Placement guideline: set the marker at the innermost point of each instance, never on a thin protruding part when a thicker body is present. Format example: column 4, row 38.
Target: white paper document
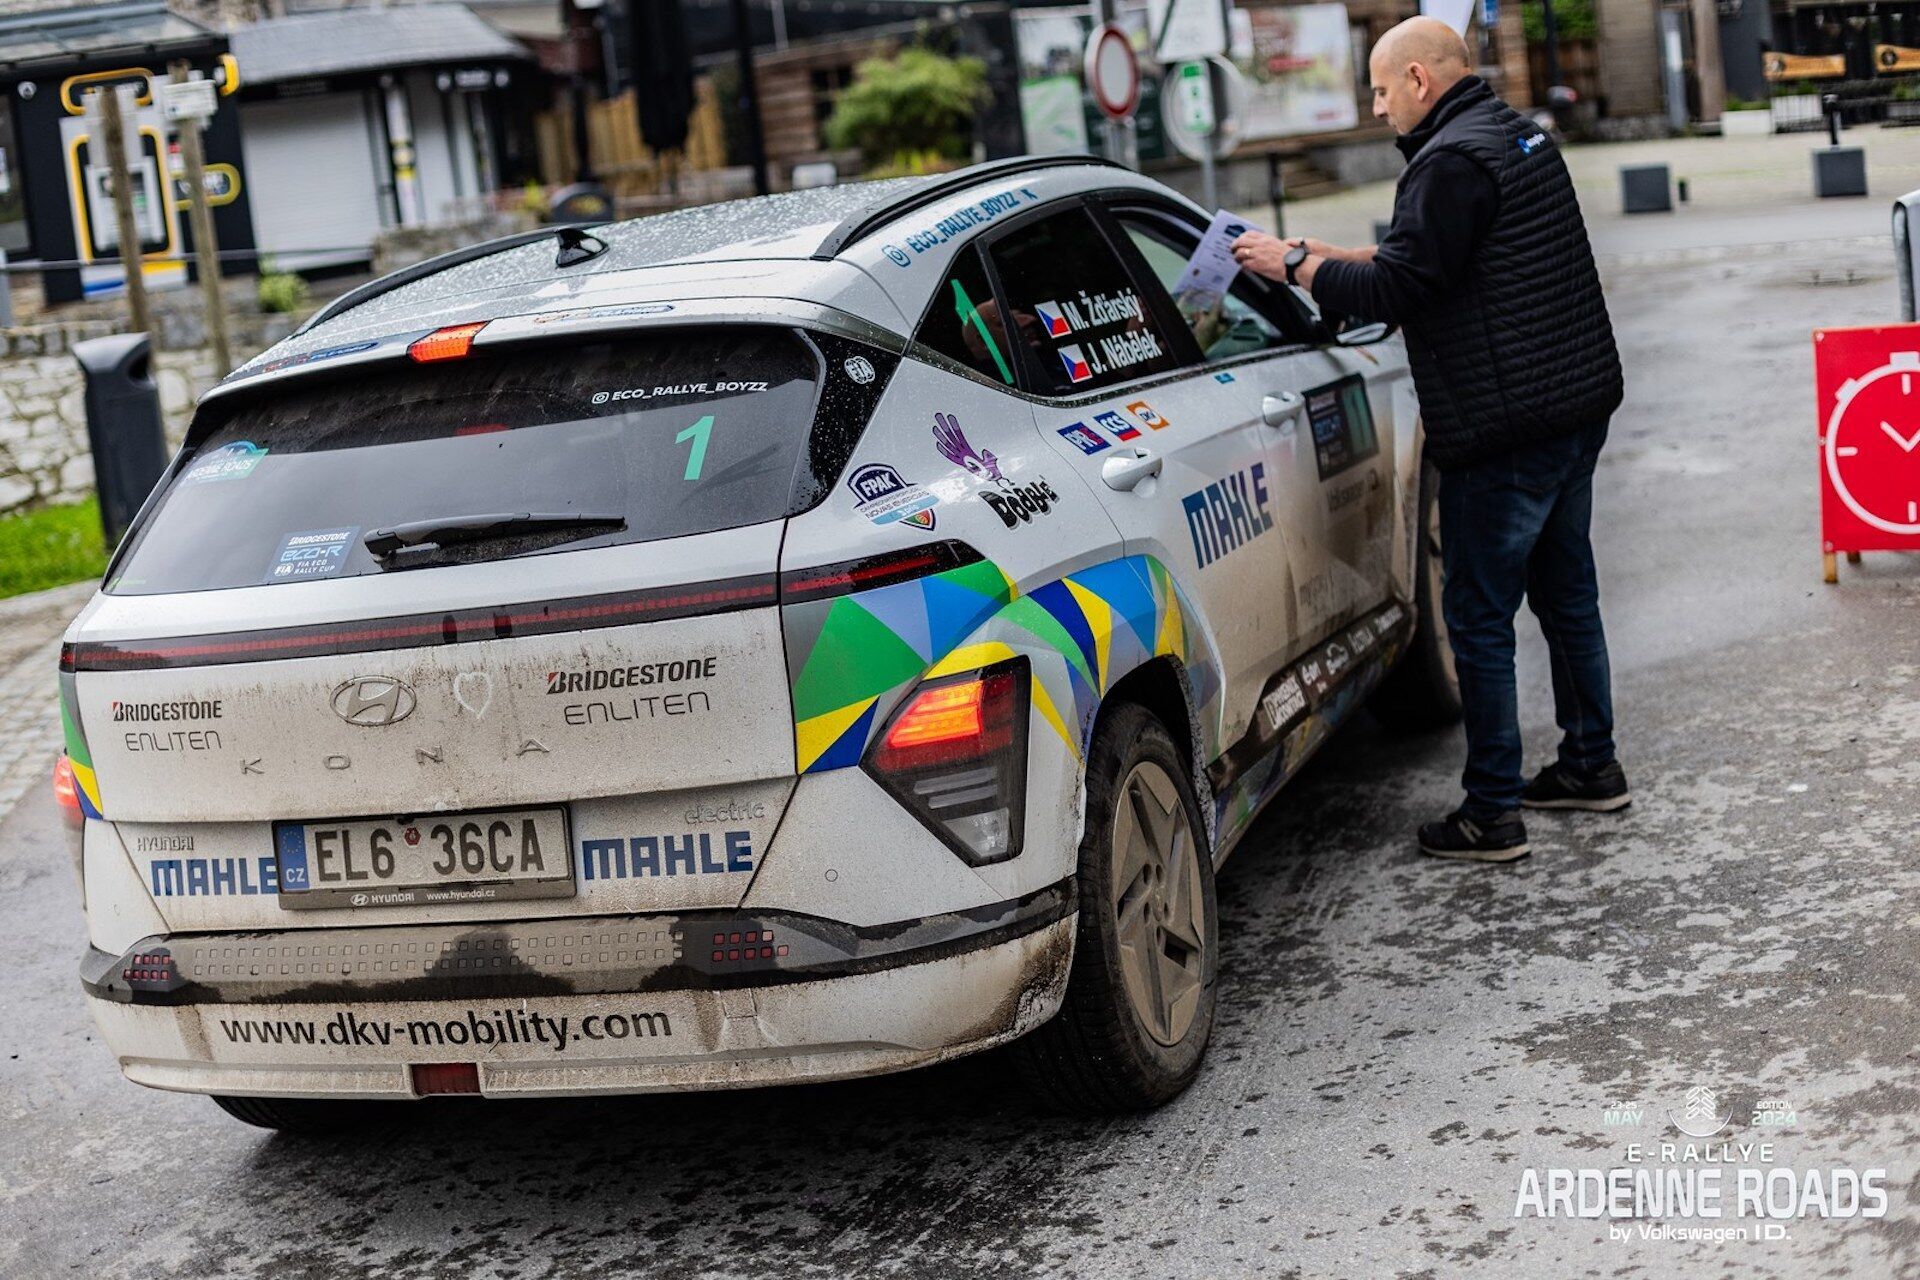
column 1210, row 271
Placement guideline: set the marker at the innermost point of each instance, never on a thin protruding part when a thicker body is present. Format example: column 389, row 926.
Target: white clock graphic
column 1874, row 436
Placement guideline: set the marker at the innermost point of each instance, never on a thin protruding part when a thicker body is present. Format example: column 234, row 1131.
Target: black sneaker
column 1558, row 787
column 1458, row 836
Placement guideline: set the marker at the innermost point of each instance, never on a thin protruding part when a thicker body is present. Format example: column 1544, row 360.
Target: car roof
column 838, row 247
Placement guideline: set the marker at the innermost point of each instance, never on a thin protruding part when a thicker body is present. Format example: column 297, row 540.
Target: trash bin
column 124, row 428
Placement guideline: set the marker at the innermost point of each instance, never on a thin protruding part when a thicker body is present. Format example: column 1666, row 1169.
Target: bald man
column 1487, row 269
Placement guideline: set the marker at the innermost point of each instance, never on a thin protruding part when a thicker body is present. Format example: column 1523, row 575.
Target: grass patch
column 51, row 547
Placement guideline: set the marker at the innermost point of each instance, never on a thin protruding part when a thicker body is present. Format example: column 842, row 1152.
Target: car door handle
column 1124, row 471
column 1281, row 410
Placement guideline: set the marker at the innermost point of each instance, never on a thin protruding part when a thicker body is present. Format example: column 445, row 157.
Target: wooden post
column 206, row 247
column 113, row 125
column 1829, row 567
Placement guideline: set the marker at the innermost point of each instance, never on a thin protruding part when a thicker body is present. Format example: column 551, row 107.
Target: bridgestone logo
column 649, row 673
column 205, row 709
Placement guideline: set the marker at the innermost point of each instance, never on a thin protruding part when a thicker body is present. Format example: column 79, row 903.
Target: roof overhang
column 45, row 42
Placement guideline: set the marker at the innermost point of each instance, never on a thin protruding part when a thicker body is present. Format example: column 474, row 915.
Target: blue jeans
column 1512, row 525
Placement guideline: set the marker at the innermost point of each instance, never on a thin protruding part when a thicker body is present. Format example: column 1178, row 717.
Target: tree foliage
column 1572, row 20
column 913, row 103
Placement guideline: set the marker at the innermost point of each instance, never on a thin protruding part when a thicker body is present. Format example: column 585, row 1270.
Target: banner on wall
column 1300, row 72
column 1056, row 108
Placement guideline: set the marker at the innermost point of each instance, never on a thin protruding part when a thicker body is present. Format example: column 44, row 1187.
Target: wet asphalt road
column 1399, row 1040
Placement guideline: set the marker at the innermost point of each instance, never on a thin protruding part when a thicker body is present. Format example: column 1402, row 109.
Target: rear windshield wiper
column 479, row 528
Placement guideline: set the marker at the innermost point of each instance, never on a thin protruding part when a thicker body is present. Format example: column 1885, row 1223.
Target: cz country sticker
column 883, row 498
column 1075, row 362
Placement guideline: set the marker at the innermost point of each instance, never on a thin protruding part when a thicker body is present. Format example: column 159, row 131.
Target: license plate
column 458, row 857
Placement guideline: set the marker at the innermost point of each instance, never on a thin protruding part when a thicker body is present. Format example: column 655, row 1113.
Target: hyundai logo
column 373, row 701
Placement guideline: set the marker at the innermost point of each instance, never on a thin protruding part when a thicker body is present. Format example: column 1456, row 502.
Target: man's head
column 1412, row 65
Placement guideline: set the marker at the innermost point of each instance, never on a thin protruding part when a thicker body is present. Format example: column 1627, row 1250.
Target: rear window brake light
column 450, row 343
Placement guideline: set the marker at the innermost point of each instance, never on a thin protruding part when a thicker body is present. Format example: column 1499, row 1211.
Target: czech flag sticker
column 1076, row 364
column 1052, row 317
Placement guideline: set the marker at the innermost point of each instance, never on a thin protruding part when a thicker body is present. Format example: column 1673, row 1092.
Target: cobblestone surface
column 30, row 628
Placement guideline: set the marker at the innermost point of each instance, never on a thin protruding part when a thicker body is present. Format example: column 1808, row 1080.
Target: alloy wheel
column 1157, row 903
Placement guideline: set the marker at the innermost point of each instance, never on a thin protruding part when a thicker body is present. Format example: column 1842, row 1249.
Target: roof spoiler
column 577, row 244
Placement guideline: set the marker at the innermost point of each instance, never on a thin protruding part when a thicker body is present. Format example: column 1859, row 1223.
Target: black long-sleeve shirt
column 1439, row 217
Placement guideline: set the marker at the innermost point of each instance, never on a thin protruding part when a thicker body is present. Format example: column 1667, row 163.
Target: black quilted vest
column 1523, row 351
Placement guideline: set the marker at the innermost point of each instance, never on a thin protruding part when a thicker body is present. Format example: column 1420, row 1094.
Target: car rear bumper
column 579, row 1006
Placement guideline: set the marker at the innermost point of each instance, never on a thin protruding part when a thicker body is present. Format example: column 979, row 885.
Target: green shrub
column 282, row 291
column 915, row 104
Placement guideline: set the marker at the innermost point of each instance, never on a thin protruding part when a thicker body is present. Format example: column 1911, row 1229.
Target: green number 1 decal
column 697, row 433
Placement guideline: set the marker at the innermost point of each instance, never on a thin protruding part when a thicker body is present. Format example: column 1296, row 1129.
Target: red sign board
column 1113, row 72
column 1868, row 384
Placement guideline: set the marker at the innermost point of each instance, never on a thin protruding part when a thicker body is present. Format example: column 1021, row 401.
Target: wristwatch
column 1295, row 256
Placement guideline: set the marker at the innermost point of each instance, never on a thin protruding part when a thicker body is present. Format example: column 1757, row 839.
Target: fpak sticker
column 234, row 461
column 884, row 498
column 316, row 553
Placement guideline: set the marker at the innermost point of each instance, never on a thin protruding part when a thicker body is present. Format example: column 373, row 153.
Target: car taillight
column 66, row 793
column 955, row 755
column 450, row 343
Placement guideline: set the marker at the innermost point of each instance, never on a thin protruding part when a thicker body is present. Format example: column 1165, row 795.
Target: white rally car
column 800, row 638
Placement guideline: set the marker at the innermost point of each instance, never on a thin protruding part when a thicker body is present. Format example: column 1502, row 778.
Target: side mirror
column 1367, row 334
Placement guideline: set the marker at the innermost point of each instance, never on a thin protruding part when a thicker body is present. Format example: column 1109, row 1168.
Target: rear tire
column 1423, row 689
column 311, row 1117
column 1140, row 999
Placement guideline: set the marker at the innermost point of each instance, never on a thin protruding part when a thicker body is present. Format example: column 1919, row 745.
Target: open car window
column 1252, row 317
column 1074, row 308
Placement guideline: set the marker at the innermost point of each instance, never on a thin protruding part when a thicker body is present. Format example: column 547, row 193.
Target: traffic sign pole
column 206, row 249
column 1193, row 83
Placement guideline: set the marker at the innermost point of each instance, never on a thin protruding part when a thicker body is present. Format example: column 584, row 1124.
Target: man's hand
column 1262, row 254
column 1266, row 255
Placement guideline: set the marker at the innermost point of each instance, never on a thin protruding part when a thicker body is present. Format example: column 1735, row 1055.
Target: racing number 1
column 697, row 457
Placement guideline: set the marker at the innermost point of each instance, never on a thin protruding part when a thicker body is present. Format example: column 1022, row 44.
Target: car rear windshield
column 645, row 437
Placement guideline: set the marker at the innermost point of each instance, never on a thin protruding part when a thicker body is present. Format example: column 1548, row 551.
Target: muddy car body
column 720, row 649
